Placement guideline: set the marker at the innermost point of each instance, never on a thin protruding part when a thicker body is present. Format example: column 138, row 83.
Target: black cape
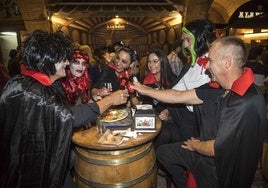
column 237, row 122
column 34, row 151
column 239, row 139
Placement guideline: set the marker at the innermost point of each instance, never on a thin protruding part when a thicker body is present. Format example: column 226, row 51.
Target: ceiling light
column 8, row 33
column 254, row 35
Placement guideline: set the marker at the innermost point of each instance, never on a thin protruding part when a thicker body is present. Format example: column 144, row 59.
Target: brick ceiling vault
column 142, row 16
column 221, row 10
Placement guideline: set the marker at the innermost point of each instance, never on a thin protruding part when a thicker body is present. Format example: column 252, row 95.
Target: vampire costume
column 235, row 119
column 34, row 151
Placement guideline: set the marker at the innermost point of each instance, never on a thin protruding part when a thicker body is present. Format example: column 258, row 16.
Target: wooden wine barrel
column 162, row 37
column 133, row 167
column 171, row 36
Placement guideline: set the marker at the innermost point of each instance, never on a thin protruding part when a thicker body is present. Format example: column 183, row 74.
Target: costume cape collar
column 40, row 77
column 149, row 79
column 112, row 66
column 240, row 85
column 124, row 74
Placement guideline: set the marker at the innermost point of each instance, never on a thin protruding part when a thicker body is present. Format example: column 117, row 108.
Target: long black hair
column 166, row 74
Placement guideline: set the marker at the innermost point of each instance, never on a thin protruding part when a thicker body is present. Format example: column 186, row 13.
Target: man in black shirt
column 232, row 122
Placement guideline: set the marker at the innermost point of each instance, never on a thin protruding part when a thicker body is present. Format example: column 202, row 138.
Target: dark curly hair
column 42, row 50
column 132, row 53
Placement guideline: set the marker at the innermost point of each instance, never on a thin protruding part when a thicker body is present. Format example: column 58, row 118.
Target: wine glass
column 158, row 86
column 108, row 85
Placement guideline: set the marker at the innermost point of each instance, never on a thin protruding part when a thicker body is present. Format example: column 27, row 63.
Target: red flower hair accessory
column 79, row 55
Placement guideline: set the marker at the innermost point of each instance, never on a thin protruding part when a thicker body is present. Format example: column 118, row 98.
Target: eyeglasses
column 154, row 61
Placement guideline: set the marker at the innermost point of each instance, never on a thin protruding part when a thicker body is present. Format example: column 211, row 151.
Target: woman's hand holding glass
column 109, row 86
column 104, row 91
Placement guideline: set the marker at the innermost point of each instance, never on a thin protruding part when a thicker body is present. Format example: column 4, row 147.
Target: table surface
column 89, row 139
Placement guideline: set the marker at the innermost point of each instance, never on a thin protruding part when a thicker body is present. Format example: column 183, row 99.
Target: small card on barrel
column 144, row 120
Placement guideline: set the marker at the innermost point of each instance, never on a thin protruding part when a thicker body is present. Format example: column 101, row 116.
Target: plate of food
column 113, row 115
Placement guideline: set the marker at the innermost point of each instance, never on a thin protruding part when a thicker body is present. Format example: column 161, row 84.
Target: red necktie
column 202, row 61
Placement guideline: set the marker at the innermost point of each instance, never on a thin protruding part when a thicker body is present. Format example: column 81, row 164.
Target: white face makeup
column 60, row 68
column 78, row 67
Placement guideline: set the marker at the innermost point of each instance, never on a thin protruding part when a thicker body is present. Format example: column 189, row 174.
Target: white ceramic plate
column 113, row 115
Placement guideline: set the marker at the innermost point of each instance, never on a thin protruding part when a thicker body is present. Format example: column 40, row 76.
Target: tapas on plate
column 113, row 115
